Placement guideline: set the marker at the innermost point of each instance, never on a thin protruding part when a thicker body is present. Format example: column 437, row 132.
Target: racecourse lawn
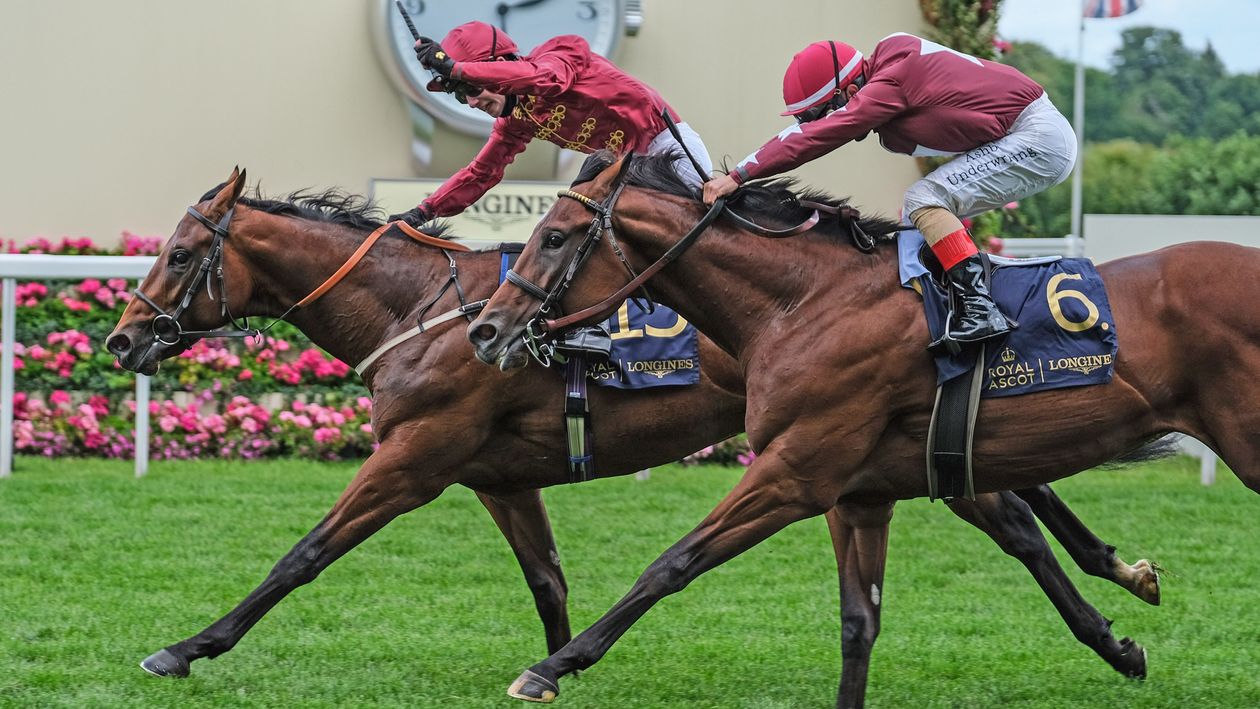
column 98, row 569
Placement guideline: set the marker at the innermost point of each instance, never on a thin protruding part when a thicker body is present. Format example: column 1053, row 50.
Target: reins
column 539, row 329
column 168, row 331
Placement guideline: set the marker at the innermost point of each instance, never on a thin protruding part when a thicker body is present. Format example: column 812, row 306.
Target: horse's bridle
column 168, row 331
column 166, row 327
column 539, row 328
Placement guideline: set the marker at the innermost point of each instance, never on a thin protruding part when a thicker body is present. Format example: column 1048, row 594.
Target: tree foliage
column 1168, row 131
column 966, row 25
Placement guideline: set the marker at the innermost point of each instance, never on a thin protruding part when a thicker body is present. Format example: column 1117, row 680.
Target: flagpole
column 1078, row 124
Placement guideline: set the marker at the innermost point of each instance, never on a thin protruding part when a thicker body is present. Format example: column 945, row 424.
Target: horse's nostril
column 118, row 344
column 485, row 333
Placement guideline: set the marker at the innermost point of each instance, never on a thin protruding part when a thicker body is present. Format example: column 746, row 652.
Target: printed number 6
column 1054, row 295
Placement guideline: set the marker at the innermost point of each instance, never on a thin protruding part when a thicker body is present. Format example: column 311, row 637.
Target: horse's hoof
column 1147, row 585
column 533, row 687
column 1132, row 661
column 165, row 663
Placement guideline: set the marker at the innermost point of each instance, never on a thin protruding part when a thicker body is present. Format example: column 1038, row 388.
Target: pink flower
column 302, row 421
column 245, row 375
column 89, row 286
column 365, row 427
column 324, row 435
column 168, row 423
column 59, row 397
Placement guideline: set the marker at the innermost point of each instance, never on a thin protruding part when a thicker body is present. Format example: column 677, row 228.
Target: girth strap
column 577, row 421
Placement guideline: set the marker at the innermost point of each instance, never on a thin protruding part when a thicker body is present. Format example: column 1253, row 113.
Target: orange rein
column 358, row 254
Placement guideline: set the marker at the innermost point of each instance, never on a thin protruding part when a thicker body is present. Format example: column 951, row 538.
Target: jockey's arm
column 876, row 104
column 485, row 171
column 550, row 72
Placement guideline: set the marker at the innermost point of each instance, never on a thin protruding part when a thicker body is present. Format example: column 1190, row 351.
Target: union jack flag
column 1110, row 8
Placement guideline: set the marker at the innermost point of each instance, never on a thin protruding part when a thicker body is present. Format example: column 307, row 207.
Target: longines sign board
column 508, row 212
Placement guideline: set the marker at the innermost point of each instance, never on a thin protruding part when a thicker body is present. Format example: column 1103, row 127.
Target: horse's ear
column 229, row 193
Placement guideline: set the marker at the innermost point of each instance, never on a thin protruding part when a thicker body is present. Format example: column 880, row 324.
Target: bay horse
column 441, row 420
column 839, row 385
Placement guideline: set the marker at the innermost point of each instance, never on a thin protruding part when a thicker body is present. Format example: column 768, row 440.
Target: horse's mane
column 331, row 206
column 769, row 202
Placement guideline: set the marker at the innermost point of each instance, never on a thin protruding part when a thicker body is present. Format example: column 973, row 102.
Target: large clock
column 528, row 22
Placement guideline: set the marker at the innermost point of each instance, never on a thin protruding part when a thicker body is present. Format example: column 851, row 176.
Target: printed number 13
column 624, row 330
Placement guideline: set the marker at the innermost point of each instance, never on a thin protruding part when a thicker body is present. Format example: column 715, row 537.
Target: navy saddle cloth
column 1066, row 335
column 649, row 349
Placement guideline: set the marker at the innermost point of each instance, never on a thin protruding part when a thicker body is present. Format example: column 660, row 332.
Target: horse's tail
column 1158, row 449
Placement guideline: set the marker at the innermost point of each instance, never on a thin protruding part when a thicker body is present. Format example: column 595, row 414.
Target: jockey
column 924, row 99
column 561, row 92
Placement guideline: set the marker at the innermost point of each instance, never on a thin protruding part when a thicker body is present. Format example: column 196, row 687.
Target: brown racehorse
column 442, row 421
column 839, row 386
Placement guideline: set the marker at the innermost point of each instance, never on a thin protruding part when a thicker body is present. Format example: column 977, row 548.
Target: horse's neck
column 736, row 287
column 291, row 258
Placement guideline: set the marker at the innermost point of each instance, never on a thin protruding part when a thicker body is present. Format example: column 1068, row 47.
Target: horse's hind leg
column 1093, row 555
column 860, row 536
column 522, row 518
column 1009, row 522
column 386, row 486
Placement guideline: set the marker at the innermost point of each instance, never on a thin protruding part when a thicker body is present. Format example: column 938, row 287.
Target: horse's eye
column 180, row 257
column 554, row 240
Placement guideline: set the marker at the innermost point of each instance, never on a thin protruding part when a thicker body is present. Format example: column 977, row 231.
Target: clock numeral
column 587, row 10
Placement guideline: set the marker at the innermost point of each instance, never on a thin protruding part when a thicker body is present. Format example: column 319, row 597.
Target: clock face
column 528, row 22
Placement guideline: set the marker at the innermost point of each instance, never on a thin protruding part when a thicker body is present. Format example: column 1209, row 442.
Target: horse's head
column 562, row 264
column 183, row 295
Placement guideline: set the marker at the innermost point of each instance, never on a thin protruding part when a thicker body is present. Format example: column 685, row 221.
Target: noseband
column 539, row 330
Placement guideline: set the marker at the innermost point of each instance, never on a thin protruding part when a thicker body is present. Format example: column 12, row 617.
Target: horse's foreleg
column 763, row 502
column 860, row 536
column 1009, row 521
column 386, row 486
column 1093, row 555
column 522, row 518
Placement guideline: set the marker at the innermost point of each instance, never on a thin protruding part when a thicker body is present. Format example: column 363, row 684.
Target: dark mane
column 772, row 202
column 331, row 206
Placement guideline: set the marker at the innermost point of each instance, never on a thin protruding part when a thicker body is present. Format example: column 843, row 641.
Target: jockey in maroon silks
column 561, row 92
column 924, row 99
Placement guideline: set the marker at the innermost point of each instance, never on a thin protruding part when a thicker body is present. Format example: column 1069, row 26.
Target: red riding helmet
column 475, row 42
column 817, row 73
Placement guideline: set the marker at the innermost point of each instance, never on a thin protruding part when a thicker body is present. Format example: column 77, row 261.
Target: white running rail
column 42, row 266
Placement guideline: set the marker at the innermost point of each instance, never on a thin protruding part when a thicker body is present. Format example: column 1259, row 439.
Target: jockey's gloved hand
column 416, row 217
column 432, row 57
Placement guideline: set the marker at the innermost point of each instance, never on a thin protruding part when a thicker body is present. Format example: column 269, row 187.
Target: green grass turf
column 98, row 569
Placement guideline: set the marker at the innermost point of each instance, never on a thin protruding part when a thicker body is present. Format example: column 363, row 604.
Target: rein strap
column 667, row 258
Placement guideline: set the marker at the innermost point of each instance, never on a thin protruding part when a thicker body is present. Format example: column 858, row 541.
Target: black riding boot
column 977, row 317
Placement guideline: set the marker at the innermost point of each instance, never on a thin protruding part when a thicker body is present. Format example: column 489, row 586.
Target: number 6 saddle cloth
column 1066, row 335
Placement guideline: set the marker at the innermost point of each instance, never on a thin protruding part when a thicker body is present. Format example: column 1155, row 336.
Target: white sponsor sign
column 508, row 212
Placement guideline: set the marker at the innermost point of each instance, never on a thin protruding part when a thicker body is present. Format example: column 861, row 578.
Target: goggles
column 461, row 90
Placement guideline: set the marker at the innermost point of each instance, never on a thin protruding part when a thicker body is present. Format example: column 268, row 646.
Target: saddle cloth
column 649, row 349
column 1066, row 335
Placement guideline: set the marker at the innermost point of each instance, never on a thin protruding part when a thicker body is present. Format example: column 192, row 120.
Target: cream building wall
column 116, row 115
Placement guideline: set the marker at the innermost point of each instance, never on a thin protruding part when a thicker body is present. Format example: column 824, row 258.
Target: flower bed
column 73, row 399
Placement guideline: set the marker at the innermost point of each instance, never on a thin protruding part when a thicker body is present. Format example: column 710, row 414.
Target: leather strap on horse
column 367, row 244
column 577, row 421
column 951, row 433
column 667, row 258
